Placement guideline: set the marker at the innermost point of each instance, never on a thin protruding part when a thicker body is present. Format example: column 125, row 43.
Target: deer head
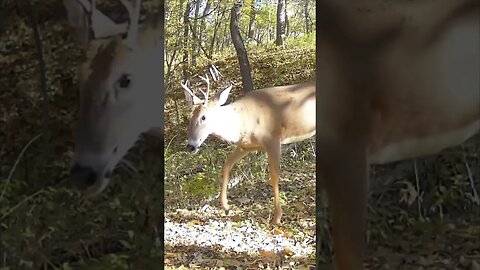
column 121, row 87
column 205, row 113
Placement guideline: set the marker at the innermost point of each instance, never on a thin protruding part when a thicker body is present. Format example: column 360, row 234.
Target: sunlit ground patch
column 230, row 236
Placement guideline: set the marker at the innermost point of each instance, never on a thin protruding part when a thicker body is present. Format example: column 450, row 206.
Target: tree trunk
column 203, row 25
column 307, row 18
column 280, row 23
column 218, row 21
column 251, row 24
column 185, row 39
column 240, row 48
column 224, row 38
column 287, row 22
column 195, row 31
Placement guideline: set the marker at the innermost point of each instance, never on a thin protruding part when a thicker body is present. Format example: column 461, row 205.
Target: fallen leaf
column 277, row 231
column 288, row 252
column 268, row 254
column 193, row 223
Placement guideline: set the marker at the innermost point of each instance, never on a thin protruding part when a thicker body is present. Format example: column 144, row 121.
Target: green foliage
column 207, row 35
column 304, row 41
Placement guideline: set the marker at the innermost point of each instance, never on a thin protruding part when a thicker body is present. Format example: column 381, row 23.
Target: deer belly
column 300, row 122
column 297, row 138
column 413, row 147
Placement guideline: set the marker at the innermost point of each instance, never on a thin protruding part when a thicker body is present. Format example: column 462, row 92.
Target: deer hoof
column 226, row 207
column 277, row 219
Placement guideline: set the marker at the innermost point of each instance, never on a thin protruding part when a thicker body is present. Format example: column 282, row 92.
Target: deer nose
column 83, row 177
column 190, row 148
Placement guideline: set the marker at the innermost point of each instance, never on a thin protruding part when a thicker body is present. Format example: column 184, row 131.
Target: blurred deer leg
column 343, row 169
column 273, row 150
column 233, row 158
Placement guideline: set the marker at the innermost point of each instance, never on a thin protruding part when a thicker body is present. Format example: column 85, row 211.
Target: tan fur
column 260, row 120
column 284, row 112
column 121, row 92
column 397, row 79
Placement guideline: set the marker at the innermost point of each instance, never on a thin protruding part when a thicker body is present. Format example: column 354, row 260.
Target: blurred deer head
column 121, row 87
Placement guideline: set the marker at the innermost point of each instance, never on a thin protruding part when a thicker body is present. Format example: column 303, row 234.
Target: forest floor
column 199, row 233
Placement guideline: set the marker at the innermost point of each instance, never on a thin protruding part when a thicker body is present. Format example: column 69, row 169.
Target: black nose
column 83, row 177
column 190, row 148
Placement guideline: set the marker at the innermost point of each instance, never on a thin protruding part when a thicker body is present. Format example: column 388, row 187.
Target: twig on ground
column 476, row 199
column 22, row 202
column 16, row 163
column 417, row 181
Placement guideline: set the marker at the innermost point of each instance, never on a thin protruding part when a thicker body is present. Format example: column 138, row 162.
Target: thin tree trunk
column 251, row 24
column 287, row 22
column 203, row 24
column 186, row 21
column 240, row 48
column 307, row 18
column 215, row 31
column 280, row 23
column 195, row 32
column 224, row 39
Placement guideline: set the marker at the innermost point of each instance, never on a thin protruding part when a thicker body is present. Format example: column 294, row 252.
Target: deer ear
column 222, row 96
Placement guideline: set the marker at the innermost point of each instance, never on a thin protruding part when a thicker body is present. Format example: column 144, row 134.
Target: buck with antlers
column 396, row 80
column 121, row 86
column 260, row 120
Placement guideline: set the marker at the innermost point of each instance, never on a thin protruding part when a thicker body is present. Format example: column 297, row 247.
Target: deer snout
column 83, row 177
column 190, row 148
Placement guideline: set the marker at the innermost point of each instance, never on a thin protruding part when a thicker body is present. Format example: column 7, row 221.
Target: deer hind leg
column 233, row 158
column 273, row 150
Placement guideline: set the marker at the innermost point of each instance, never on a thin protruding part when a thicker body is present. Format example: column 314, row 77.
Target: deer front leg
column 344, row 171
column 233, row 158
column 273, row 150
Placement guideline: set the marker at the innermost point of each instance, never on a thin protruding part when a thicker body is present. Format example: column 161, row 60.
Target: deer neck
column 227, row 124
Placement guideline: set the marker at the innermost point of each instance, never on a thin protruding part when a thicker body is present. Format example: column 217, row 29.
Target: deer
column 120, row 85
column 396, row 80
column 259, row 120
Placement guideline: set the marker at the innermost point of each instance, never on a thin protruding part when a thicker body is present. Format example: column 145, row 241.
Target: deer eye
column 203, row 118
column 124, row 81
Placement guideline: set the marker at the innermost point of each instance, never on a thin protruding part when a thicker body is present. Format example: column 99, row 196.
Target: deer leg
column 344, row 171
column 273, row 151
column 233, row 158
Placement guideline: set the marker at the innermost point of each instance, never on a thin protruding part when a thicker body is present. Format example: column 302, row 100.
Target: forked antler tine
column 84, row 16
column 208, row 87
column 133, row 7
column 214, row 72
column 196, row 100
column 102, row 25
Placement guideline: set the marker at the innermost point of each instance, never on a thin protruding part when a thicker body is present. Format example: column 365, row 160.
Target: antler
column 88, row 22
column 215, row 75
column 205, row 79
column 214, row 72
column 195, row 99
column 133, row 9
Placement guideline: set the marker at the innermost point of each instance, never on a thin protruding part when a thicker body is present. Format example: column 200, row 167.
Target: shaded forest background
column 423, row 213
